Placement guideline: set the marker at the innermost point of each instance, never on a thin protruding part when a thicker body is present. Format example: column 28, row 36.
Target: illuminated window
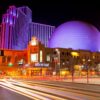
column 7, row 20
column 48, row 57
column 74, row 54
column 34, row 57
column 11, row 22
column 40, row 55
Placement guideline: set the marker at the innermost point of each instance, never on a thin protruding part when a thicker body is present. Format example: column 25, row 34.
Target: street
column 6, row 94
column 47, row 90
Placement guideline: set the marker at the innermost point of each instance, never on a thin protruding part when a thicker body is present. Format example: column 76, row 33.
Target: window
column 8, row 59
column 63, row 60
column 16, row 59
column 1, row 53
column 62, row 53
column 48, row 57
column 55, row 52
column 34, row 57
column 67, row 53
column 3, row 59
column 41, row 55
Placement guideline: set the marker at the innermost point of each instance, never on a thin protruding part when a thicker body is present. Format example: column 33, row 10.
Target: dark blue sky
column 55, row 12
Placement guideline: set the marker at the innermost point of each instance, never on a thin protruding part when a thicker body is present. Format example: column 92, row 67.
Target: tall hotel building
column 41, row 31
column 17, row 29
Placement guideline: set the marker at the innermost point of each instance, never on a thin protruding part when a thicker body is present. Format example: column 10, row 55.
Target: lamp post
column 74, row 54
column 72, row 69
column 87, row 74
column 58, row 61
column 88, row 70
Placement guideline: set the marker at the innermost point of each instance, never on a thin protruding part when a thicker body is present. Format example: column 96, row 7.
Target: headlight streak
column 50, row 91
column 85, row 94
column 25, row 92
column 22, row 91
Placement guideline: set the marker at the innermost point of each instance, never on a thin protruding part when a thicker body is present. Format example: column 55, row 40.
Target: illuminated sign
column 21, row 62
column 10, row 64
column 42, row 64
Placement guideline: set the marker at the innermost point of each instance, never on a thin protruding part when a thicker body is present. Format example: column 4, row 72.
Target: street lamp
column 58, row 60
column 88, row 70
column 74, row 55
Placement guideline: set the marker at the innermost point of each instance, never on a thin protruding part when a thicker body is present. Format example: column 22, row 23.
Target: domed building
column 75, row 35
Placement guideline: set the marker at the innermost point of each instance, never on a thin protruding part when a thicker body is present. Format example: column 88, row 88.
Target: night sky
column 56, row 12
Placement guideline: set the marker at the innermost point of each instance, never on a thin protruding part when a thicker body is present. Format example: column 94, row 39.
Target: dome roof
column 75, row 35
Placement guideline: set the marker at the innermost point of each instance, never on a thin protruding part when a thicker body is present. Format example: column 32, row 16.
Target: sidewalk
column 93, row 80
column 84, row 80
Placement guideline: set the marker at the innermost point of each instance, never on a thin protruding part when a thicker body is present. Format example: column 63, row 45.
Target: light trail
column 16, row 91
column 24, row 91
column 68, row 88
column 76, row 96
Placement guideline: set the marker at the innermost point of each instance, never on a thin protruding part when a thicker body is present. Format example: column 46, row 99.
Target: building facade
column 42, row 32
column 37, row 59
column 17, row 29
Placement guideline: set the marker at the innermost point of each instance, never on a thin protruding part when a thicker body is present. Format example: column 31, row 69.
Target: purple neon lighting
column 7, row 20
column 75, row 35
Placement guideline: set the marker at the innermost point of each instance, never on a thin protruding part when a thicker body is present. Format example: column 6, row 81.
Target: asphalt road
column 6, row 94
column 47, row 90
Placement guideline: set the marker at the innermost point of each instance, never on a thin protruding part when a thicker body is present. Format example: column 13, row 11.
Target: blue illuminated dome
column 75, row 35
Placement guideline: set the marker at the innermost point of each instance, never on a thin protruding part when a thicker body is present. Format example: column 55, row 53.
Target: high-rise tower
column 42, row 31
column 17, row 28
